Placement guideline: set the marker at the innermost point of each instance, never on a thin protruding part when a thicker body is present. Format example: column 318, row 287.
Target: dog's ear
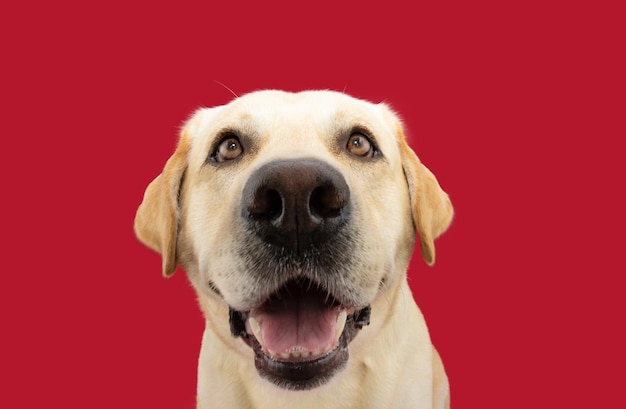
column 430, row 205
column 156, row 221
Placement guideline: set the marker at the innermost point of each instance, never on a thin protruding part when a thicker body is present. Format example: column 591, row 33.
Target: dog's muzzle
column 301, row 331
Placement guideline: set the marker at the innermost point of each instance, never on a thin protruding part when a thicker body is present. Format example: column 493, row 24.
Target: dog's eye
column 360, row 145
column 228, row 149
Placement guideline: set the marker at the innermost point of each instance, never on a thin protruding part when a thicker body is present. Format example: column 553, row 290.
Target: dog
column 294, row 216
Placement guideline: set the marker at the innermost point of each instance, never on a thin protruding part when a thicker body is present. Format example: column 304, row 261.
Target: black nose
column 296, row 203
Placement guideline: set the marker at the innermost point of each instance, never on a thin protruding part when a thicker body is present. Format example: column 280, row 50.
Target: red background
column 517, row 108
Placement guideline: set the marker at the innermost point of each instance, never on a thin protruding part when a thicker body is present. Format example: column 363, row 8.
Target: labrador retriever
column 294, row 216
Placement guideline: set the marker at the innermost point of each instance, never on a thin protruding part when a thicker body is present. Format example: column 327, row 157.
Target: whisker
column 230, row 90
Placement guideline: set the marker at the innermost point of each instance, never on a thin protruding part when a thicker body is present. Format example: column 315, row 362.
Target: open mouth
column 299, row 335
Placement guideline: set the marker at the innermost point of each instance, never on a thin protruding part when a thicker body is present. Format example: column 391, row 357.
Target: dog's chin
column 299, row 335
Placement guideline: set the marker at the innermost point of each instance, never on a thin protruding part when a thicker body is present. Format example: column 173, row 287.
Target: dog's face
column 297, row 211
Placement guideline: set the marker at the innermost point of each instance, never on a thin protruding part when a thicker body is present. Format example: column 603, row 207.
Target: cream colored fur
column 190, row 216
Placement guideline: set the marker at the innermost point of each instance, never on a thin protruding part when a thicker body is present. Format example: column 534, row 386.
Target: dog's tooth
column 285, row 355
column 326, row 350
column 315, row 353
column 341, row 323
column 256, row 329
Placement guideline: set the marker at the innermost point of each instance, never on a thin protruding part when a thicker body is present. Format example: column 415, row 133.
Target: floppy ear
column 431, row 206
column 156, row 221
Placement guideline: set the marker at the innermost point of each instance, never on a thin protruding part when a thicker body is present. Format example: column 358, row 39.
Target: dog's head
column 296, row 211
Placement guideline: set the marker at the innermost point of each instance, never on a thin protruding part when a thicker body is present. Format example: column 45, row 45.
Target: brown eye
column 228, row 149
column 360, row 145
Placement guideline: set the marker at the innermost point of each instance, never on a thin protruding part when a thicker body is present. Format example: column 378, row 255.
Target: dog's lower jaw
column 301, row 374
column 227, row 377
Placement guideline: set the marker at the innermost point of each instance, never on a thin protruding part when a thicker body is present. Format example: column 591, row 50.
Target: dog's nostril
column 326, row 202
column 267, row 204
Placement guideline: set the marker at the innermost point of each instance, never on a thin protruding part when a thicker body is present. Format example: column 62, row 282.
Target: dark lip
column 301, row 375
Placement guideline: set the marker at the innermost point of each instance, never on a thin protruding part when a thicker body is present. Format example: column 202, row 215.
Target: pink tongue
column 300, row 323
